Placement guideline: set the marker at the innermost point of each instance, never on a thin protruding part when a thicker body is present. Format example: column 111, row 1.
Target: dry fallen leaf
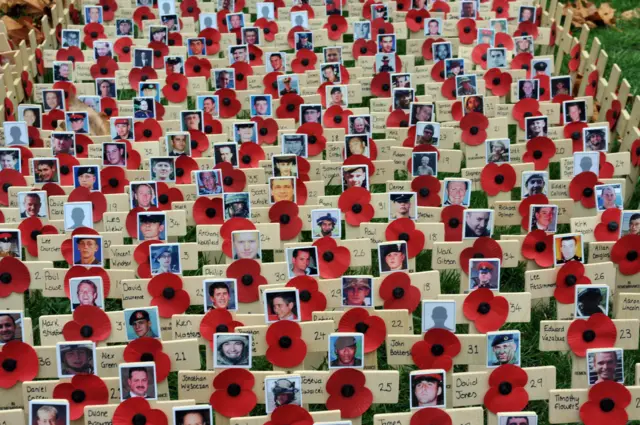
column 586, row 12
column 630, row 14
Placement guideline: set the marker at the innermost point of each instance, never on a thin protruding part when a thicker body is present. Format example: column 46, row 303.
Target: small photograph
column 295, row 144
column 496, row 57
column 428, row 387
column 10, row 159
column 163, row 169
column 232, row 350
column 534, row 183
column 265, row 10
column 171, row 21
column 568, row 247
column 106, row 87
column 477, row 223
column 608, row 196
column 225, row 152
column 238, row 53
column 144, row 107
column 517, row 418
column 385, row 62
column 143, row 194
column 142, row 322
column 208, row 20
column 574, row 111
column 158, row 34
column 302, row 261
column 281, row 304
column 196, row 46
column 523, row 45
column 236, row 205
column 596, row 139
column 473, row 104
column 148, row 3
column 330, row 73
column 337, row 95
column 76, row 358
column 605, row 364
column 209, row 182
column 191, row 120
column 10, row 245
column 466, row 85
column 356, row 145
column 11, row 324
column 62, row 71
column 468, row 9
column 401, row 81
column 93, row 14
column 541, row 67
column 453, row 67
column 300, row 19
column 102, row 49
column 285, row 165
column 142, row 57
column 362, row 29
column 282, row 189
column 630, row 223
column 304, row 40
column 87, row 250
column 193, row 415
column 392, row 257
column 527, row 14
column 220, row 293
column 77, row 122
column 333, row 7
column 151, row 90
column 498, row 151
column 433, row 27
column 55, row 412
column 276, row 62
column 87, row 176
column 281, row 391
column 328, row 223
column 357, row 291
column 503, row 347
column 441, row 51
column 311, row 114
column 420, row 112
column 402, row 205
column 355, row 176
column 225, row 78
column 52, row 99
column 152, row 226
column 438, row 315
column 288, row 84
column 528, row 89
column 178, row 143
column 63, row 142
column 379, row 10
column 346, row 350
column 360, row 124
column 402, row 98
column 209, row 105
column 251, row 36
column 31, row 114
column 484, row 273
column 245, row 244
column 46, row 170
column 15, row 133
column 543, row 217
column 485, row 36
column 586, row 162
column 92, row 102
column 166, row 258
column 536, row 127
column 424, row 163
column 245, row 132
column 332, row 54
column 227, row 5
column 260, row 105
column 561, row 86
column 32, row 203
column 70, row 38
column 387, row 43
column 591, row 299
column 138, row 380
column 457, row 192
column 86, row 291
column 427, row 133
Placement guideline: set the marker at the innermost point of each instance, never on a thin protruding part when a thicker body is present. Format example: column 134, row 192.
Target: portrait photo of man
column 10, row 159
column 75, row 358
column 355, row 176
column 560, row 86
column 87, row 176
column 10, row 244
column 46, row 170
column 427, row 388
column 165, row 258
column 346, row 350
column 591, row 299
column 574, row 111
column 515, row 419
column 360, row 124
column 11, row 326
column 402, row 205
column 441, row 51
column 87, row 250
column 245, row 244
column 528, row 89
column 143, row 194
column 232, row 350
column 496, row 57
column 221, row 293
column 63, row 142
column 245, row 132
column 294, row 144
column 261, row 105
column 534, row 183
column 33, row 204
column 236, row 205
column 605, row 365
column 282, row 189
column 48, row 412
column 427, row 133
column 281, row 304
column 503, row 348
column 178, row 144
column 285, row 165
column 421, row 112
column 224, row 78
column 86, row 291
column 484, row 273
column 163, row 169
column 392, row 257
column 143, row 322
column 152, row 226
column 276, row 62
column 225, row 152
column 281, row 391
column 630, row 224
column 567, row 247
column 543, row 217
column 498, row 151
column 356, row 291
column 438, row 315
column 192, row 415
column 138, row 380
column 238, row 54
column 121, row 129
column 477, row 223
column 332, row 54
column 209, row 182
column 536, row 127
column 327, row 223
column 596, row 139
column 356, row 145
column 209, row 105
column 302, row 261
column 311, row 114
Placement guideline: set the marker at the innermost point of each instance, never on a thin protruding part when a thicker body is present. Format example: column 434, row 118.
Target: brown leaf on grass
column 586, row 12
column 630, row 14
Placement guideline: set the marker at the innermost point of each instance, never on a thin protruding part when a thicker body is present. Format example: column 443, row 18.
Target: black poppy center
column 505, row 388
column 190, row 9
column 540, row 246
column 570, row 280
column 5, row 278
column 525, row 67
column 478, row 255
column 210, row 212
column 197, row 68
column 441, row 74
column 362, row 327
column 233, row 390
column 228, row 181
column 484, row 57
column 454, row 223
column 612, row 226
column 398, row 293
column 588, row 335
column 226, row 101
column 587, row 192
column 34, row 234
column 146, row 357
column 337, row 119
column 496, row 81
column 334, row 27
column 157, row 53
column 64, row 169
column 305, row 62
column 537, row 154
column 78, row 396
column 424, row 192
column 607, row 405
column 240, row 77
column 208, row 129
column 484, row 308
column 285, row 342
column 6, row 187
column 285, row 219
column 139, row 419
column 252, row 57
column 80, row 148
column 172, row 42
column 632, row 255
column 313, row 140
column 291, row 107
column 144, row 78
column 104, row 71
column 113, row 182
column 222, row 328
column 247, row 280
column 356, row 208
column 328, row 256
column 467, row 30
column 175, row 86
column 246, row 159
column 94, row 34
column 437, row 350
column 575, row 135
column 385, row 87
column 168, row 293
column 499, row 179
column 86, row 331
column 305, row 296
column 264, row 131
column 267, row 30
column 363, row 50
column 107, row 111
column 474, row 130
column 499, row 9
column 147, row 132
column 347, row 390
column 179, row 172
column 9, row 365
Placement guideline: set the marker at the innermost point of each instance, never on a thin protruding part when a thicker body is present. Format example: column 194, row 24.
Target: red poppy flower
column 336, row 26
column 427, row 51
column 229, row 105
column 506, row 389
column 123, row 47
column 574, row 62
column 398, row 293
column 613, row 113
column 606, row 404
column 211, row 125
column 93, row 32
column 8, row 178
column 523, row 208
column 522, row 61
column 598, row 331
column 168, row 295
column 431, row 416
column 19, row 363
column 315, row 137
column 27, row 84
column 30, row 228
column 625, row 254
column 185, row 165
column 197, row 67
column 14, row 275
column 380, row 85
column 487, row 311
column 208, row 211
column 498, row 82
column 267, row 130
column 247, row 272
column 467, row 30
column 50, row 120
column 286, row 213
column 39, row 61
column 243, row 71
column 167, row 196
column 570, row 274
column 503, row 40
column 190, row 8
column 526, row 29
column 81, row 271
column 474, row 128
column 136, row 75
column 483, row 247
column 147, row 130
column 592, row 86
column 501, row 7
column 336, row 117
column 233, row 395
column 379, row 26
column 290, row 414
column 363, row 47
column 348, row 393
column 74, row 14
column 269, row 28
column 525, row 108
column 304, row 61
column 573, row 131
column 108, row 106
column 255, row 56
column 582, row 189
column 497, row 178
column 104, row 68
column 141, row 253
column 138, row 410
column 66, row 247
column 398, row 118
column 448, row 89
column 113, row 180
column 436, row 350
column 175, row 89
column 212, row 40
column 234, row 180
column 83, row 390
column 147, row 349
column 359, row 320
column 334, row 260
column 73, row 54
column 635, row 153
column 35, row 141
column 545, row 87
column 89, row 323
column 538, row 246
column 405, row 229
column 250, row 155
column 291, row 35
column 67, row 162
column 217, row 320
column 290, row 106
column 355, row 203
column 286, row 348
column 428, row 190
column 415, row 19
column 451, row 216
column 540, row 150
column 608, row 230
column 270, row 84
column 311, row 299
column 440, row 6
column 479, row 54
